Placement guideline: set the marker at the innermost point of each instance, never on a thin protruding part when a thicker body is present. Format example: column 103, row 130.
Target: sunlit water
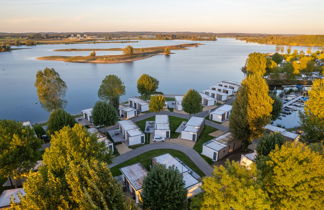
column 196, row 68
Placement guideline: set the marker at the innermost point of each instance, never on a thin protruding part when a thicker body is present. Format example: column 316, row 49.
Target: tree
column 50, row 89
column 19, row 149
column 157, row 103
column 111, row 89
column 74, row 175
column 294, row 179
column 233, row 187
column 164, row 188
column 238, row 122
column 256, row 63
column 313, row 118
column 129, row 50
column 104, row 114
column 39, row 130
column 276, row 107
column 191, row 102
column 167, row 51
column 268, row 142
column 259, row 104
column 93, row 54
column 296, row 67
column 146, row 85
column 58, row 119
column 277, row 58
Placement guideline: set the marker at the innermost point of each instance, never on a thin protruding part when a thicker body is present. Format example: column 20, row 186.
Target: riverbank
column 138, row 54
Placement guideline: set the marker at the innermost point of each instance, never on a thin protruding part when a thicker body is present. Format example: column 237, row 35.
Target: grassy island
column 136, row 54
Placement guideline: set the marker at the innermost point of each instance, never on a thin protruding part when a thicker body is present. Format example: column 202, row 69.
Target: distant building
column 193, row 128
column 7, row 194
column 127, row 112
column 222, row 89
column 288, row 135
column 229, row 84
column 102, row 138
column 162, row 126
column 138, row 104
column 87, row 114
column 248, row 159
column 207, row 100
column 216, row 95
column 178, row 103
column 133, row 177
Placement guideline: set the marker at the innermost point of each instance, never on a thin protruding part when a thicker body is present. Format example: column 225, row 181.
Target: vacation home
column 221, row 113
column 218, row 96
column 162, row 126
column 178, row 102
column 138, row 104
column 126, row 112
column 207, row 100
column 131, row 132
column 229, row 84
column 87, row 114
column 7, row 194
column 192, row 128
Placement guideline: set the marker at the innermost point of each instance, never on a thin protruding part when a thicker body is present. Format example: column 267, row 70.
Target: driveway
column 192, row 154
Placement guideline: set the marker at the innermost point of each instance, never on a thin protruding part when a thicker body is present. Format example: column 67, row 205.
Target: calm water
column 196, row 68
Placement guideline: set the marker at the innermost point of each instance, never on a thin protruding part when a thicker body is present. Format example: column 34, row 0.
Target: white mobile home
column 178, row 102
column 191, row 179
column 162, row 126
column 138, row 104
column 102, row 138
column 87, row 114
column 248, row 159
column 228, row 91
column 126, row 112
column 221, row 146
column 288, row 135
column 221, row 113
column 131, row 132
column 133, row 177
column 7, row 194
column 207, row 100
column 218, row 96
column 193, row 128
column 229, row 84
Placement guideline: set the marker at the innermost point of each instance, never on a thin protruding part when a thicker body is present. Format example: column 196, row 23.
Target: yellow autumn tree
column 296, row 67
column 259, row 104
column 256, row 63
column 157, row 103
column 295, row 177
column 315, row 104
column 233, row 187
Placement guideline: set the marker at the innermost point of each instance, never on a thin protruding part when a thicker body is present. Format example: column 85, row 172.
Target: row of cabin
column 221, row 114
column 134, row 107
column 134, row 175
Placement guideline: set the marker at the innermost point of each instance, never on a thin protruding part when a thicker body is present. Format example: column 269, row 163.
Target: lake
column 196, row 68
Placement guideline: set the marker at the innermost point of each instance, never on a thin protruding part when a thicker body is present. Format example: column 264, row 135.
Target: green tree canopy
column 277, row 58
column 295, row 179
column 104, row 114
column 164, row 188
column 157, row 103
column 50, row 89
column 111, row 89
column 19, row 148
column 276, row 107
column 233, row 187
column 191, row 102
column 58, row 119
column 256, row 63
column 268, row 142
column 146, row 85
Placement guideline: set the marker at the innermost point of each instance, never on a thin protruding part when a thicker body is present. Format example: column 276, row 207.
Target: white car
column 158, row 138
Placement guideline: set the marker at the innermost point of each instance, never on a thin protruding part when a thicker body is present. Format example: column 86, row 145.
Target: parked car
column 158, row 139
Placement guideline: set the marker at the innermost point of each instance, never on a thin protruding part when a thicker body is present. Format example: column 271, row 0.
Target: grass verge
column 146, row 160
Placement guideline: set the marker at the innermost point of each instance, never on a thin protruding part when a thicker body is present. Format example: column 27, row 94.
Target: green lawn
column 204, row 137
column 146, row 159
column 169, row 99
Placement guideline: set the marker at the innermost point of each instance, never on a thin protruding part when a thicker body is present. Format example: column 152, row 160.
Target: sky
column 220, row 16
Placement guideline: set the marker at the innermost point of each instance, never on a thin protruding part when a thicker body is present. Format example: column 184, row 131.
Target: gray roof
column 135, row 174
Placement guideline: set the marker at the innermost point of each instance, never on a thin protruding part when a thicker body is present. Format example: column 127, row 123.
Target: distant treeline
column 293, row 40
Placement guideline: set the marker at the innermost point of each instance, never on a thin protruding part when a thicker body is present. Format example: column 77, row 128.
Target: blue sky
column 246, row 16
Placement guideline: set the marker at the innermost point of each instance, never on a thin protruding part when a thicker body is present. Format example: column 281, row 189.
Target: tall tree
column 276, row 107
column 294, row 179
column 191, row 102
column 251, row 109
column 58, row 119
column 277, row 58
column 146, row 85
column 259, row 106
column 111, row 89
column 50, row 89
column 256, row 63
column 157, row 103
column 313, row 118
column 104, row 114
column 74, row 175
column 19, row 149
column 164, row 188
column 233, row 187
column 129, row 50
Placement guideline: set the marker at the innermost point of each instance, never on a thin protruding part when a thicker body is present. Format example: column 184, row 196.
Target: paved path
column 192, row 154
